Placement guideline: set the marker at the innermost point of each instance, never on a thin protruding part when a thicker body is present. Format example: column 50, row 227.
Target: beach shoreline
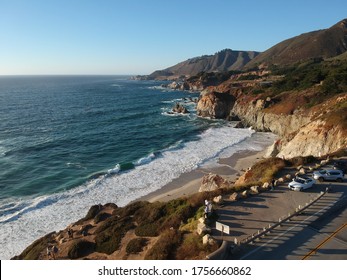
column 228, row 167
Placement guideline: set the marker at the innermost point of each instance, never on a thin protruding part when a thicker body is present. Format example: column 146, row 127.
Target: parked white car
column 300, row 184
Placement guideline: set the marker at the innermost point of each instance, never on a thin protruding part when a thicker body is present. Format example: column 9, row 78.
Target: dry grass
column 264, row 170
column 193, row 249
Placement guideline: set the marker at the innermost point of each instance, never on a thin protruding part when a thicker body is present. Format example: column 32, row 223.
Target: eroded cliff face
column 316, row 138
column 302, row 132
column 253, row 114
column 215, row 105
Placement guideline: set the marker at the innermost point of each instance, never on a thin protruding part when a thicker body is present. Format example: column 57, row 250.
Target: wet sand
column 189, row 183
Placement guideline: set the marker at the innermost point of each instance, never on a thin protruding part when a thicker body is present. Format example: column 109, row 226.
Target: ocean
column 69, row 142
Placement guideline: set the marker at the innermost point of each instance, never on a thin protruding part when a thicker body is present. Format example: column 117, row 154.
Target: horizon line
column 11, row 75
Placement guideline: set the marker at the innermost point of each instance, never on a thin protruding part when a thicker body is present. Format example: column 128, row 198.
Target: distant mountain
column 324, row 43
column 222, row 61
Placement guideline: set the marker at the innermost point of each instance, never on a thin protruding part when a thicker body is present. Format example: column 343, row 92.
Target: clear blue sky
column 140, row 36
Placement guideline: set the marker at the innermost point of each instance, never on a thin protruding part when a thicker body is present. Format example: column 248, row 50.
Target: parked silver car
column 328, row 175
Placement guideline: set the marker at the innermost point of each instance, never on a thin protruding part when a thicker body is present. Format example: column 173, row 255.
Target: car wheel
column 321, row 179
column 339, row 180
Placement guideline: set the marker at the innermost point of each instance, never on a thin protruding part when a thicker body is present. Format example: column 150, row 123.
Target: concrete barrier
column 221, row 252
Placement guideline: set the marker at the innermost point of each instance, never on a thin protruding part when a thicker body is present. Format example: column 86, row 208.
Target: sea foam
column 24, row 221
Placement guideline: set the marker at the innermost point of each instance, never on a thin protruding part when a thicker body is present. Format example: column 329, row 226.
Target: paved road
column 319, row 233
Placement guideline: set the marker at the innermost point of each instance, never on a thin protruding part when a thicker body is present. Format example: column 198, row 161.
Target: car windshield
column 322, row 171
column 298, row 180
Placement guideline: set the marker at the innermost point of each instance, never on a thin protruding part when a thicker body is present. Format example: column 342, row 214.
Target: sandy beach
column 189, row 183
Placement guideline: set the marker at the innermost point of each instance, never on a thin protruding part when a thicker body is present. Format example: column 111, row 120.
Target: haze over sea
column 69, row 142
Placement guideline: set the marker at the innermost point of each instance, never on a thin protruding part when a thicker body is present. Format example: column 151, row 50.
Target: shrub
column 149, row 230
column 149, row 213
column 80, row 248
column 130, row 209
column 93, row 211
column 192, row 248
column 101, row 217
column 111, row 205
column 263, row 171
column 136, row 245
column 110, row 234
column 108, row 243
column 297, row 161
column 165, row 247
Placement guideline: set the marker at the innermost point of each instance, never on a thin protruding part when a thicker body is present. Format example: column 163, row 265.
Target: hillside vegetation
column 324, row 43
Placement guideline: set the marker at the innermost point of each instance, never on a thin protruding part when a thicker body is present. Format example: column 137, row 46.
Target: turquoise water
column 58, row 132
column 69, row 142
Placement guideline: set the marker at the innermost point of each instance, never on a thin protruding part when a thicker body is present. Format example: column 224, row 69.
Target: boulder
column 208, row 239
column 202, row 220
column 273, row 150
column 280, row 180
column 260, row 104
column 254, row 190
column 244, row 194
column 180, row 109
column 218, row 199
column 211, row 182
column 202, row 228
column 265, row 186
column 233, row 117
column 302, row 171
column 288, row 177
column 299, row 167
column 239, row 125
column 174, row 85
column 234, row 196
column 61, row 241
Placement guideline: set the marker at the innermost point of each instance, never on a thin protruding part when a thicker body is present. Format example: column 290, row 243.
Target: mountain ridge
column 222, row 61
column 324, row 43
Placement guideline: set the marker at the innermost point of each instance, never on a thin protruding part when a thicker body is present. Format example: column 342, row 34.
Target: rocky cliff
column 215, row 105
column 302, row 133
column 307, row 122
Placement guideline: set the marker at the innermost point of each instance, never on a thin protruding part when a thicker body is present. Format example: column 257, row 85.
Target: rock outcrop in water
column 180, row 109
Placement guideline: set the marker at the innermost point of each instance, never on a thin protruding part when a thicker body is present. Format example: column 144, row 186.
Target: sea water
column 69, row 142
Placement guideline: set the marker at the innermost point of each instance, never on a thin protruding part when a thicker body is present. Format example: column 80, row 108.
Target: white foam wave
column 172, row 101
column 116, row 85
column 38, row 216
column 173, row 114
column 145, row 160
column 75, row 165
column 114, row 170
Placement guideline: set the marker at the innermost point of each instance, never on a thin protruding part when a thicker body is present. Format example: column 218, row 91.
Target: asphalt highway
column 319, row 233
